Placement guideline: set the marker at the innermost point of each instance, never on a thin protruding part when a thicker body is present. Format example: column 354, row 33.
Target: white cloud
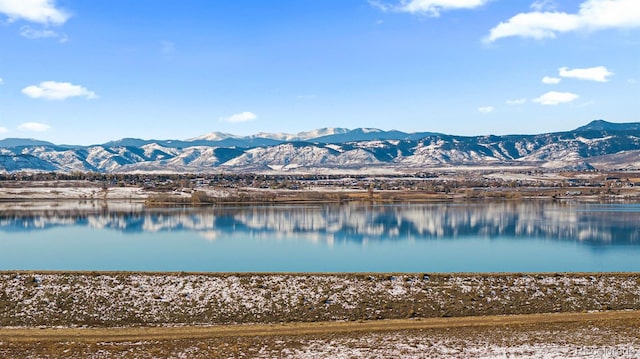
column 240, row 117
column 486, row 109
column 555, row 98
column 631, row 81
column 34, row 127
column 3, row 130
column 31, row 33
column 592, row 15
column 599, row 73
column 380, row 5
column 540, row 5
column 428, row 7
column 518, row 101
column 551, row 80
column 537, row 25
column 39, row 11
column 52, row 90
column 1, row 81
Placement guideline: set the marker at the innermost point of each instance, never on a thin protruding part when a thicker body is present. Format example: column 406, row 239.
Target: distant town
column 248, row 187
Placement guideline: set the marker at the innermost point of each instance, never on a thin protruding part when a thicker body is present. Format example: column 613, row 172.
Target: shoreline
column 4, row 272
column 251, row 189
column 386, row 198
column 121, row 299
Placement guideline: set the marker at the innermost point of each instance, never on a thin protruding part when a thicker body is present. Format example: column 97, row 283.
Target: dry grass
column 104, row 299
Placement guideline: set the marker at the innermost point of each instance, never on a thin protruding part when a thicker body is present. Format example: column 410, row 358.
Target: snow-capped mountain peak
column 213, row 136
column 370, row 130
column 301, row 136
column 307, row 135
column 598, row 145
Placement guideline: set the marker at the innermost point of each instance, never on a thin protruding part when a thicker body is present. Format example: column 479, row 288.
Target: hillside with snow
column 599, row 144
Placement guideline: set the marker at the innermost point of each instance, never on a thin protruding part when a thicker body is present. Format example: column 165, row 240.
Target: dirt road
column 289, row 329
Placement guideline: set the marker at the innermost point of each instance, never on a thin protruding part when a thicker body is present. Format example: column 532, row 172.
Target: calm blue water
column 484, row 237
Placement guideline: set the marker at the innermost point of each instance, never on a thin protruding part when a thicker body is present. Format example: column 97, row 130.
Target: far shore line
column 320, row 274
column 199, row 198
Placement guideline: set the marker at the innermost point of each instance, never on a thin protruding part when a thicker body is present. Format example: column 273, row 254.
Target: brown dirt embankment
column 115, row 299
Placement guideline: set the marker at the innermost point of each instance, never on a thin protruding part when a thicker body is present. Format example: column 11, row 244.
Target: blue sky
column 84, row 72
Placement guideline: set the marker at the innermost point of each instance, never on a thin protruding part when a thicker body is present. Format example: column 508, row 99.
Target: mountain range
column 597, row 145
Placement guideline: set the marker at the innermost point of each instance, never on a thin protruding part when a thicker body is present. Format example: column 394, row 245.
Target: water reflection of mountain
column 593, row 224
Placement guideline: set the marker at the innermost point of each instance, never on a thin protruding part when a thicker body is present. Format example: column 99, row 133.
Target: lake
column 443, row 237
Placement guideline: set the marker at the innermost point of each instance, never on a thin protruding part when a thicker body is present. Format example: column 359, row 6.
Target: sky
column 87, row 72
